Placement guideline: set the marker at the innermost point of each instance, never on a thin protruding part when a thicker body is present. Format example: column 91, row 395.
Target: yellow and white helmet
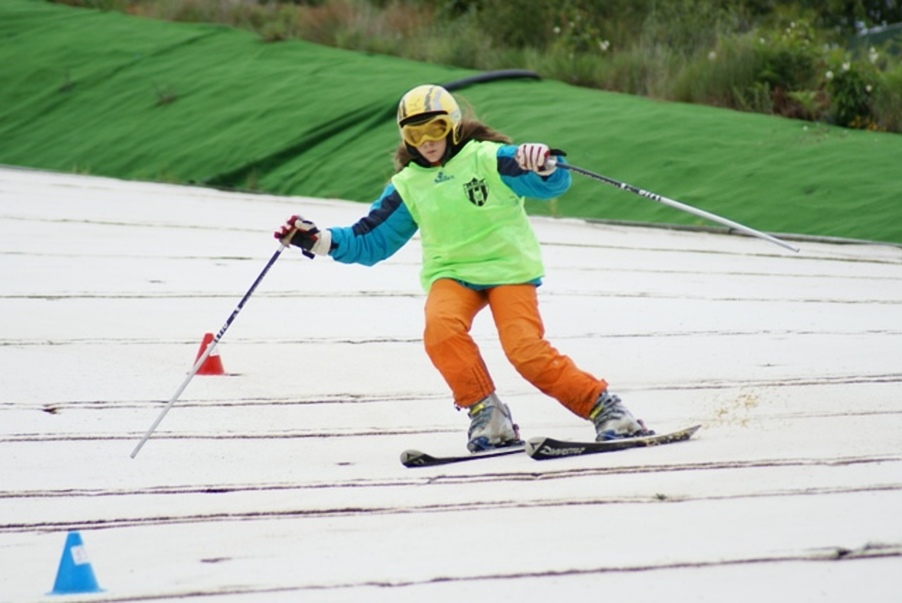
column 420, row 115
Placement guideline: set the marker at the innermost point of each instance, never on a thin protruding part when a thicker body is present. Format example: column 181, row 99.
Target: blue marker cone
column 75, row 574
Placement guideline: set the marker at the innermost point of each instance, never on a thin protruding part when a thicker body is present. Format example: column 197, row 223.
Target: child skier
column 462, row 185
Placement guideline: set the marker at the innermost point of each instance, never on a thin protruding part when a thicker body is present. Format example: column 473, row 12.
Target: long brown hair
column 470, row 129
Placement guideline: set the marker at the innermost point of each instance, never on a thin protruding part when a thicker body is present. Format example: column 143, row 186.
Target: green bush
column 788, row 57
column 888, row 101
column 506, row 23
column 725, row 77
column 850, row 94
column 688, row 27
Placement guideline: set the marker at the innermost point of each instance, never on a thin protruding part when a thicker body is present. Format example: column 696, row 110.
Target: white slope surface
column 281, row 481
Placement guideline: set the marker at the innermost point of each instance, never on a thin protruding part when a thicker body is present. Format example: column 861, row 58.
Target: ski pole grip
column 553, row 154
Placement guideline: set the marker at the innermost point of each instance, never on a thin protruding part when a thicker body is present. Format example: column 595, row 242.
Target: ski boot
column 613, row 421
column 491, row 425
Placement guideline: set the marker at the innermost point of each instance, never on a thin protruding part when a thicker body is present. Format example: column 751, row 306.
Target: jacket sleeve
column 376, row 236
column 527, row 183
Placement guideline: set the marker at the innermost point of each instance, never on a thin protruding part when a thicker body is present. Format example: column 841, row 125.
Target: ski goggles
column 436, row 128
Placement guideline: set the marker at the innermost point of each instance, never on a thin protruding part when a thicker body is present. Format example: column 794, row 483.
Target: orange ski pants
column 450, row 310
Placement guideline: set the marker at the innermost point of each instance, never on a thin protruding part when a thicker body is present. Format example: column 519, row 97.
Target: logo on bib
column 442, row 177
column 477, row 192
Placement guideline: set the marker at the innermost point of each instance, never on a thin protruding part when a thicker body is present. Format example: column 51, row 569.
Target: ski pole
column 675, row 204
column 203, row 357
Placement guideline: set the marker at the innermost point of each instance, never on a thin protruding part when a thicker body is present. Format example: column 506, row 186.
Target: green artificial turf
column 108, row 94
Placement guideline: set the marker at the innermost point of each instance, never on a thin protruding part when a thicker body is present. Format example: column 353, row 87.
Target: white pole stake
column 207, row 352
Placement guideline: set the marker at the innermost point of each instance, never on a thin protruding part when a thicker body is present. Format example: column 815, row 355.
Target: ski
column 548, row 448
column 416, row 458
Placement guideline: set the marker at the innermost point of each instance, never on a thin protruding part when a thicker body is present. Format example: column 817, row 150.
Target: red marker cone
column 213, row 364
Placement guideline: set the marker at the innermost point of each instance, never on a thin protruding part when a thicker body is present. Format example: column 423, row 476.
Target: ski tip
column 687, row 433
column 410, row 457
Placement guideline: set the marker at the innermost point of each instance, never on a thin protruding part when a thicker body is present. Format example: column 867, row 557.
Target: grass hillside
column 114, row 95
